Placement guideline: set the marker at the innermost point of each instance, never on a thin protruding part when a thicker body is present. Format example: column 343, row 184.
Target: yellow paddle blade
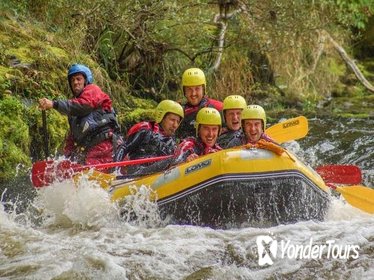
column 103, row 179
column 359, row 196
column 289, row 130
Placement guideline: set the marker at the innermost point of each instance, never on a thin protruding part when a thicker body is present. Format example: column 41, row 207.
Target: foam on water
column 66, row 203
column 340, row 210
column 82, row 236
column 76, row 232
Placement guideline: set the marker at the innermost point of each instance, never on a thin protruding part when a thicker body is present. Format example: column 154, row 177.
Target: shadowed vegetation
column 272, row 52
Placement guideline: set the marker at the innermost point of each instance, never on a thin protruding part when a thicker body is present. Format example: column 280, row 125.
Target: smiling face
column 194, row 94
column 233, row 119
column 77, row 83
column 170, row 123
column 253, row 130
column 209, row 134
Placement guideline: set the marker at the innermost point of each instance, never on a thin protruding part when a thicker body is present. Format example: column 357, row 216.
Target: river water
column 63, row 232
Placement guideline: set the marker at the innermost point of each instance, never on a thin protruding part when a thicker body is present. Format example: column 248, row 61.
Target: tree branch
column 221, row 21
column 350, row 63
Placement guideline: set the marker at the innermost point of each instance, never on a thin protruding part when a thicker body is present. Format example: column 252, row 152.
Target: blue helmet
column 83, row 69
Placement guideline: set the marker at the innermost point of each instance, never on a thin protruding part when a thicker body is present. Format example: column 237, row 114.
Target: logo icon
column 267, row 249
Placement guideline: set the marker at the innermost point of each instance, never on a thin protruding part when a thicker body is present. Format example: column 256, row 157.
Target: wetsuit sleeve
column 90, row 99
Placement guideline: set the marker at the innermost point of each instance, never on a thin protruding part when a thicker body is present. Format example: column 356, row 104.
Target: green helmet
column 234, row 102
column 254, row 112
column 193, row 77
column 207, row 116
column 168, row 106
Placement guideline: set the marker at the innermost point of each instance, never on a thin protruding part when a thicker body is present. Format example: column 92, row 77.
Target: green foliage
column 137, row 50
column 144, row 110
column 309, row 105
column 355, row 12
column 336, row 68
column 14, row 137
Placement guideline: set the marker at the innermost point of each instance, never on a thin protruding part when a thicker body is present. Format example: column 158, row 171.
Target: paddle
column 291, row 129
column 340, row 174
column 358, row 196
column 45, row 134
column 44, row 173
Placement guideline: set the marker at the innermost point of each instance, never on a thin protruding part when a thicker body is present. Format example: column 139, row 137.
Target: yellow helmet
column 193, row 77
column 234, row 102
column 168, row 106
column 254, row 112
column 207, row 116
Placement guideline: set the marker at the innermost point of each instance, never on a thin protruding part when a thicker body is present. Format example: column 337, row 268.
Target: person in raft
column 254, row 125
column 194, row 89
column 152, row 139
column 94, row 133
column 207, row 126
column 232, row 133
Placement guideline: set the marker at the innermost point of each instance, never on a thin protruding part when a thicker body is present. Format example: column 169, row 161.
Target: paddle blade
column 289, row 130
column 38, row 176
column 44, row 173
column 358, row 196
column 340, row 174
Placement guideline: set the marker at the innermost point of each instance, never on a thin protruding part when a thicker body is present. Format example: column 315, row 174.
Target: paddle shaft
column 45, row 134
column 44, row 173
column 122, row 163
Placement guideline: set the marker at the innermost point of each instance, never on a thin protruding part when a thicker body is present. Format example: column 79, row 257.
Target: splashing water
column 74, row 231
column 86, row 204
column 139, row 209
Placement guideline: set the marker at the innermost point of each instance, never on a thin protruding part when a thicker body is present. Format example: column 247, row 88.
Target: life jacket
column 187, row 126
column 97, row 126
column 147, row 139
column 230, row 138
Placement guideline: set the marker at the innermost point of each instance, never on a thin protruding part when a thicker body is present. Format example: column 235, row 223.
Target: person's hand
column 45, row 104
column 191, row 157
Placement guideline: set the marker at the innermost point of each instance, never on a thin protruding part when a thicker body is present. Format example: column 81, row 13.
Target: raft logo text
column 267, row 249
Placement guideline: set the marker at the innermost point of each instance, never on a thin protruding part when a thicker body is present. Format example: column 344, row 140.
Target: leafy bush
column 14, row 137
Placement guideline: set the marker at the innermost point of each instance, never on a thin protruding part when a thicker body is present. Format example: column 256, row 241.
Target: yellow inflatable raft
column 235, row 188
